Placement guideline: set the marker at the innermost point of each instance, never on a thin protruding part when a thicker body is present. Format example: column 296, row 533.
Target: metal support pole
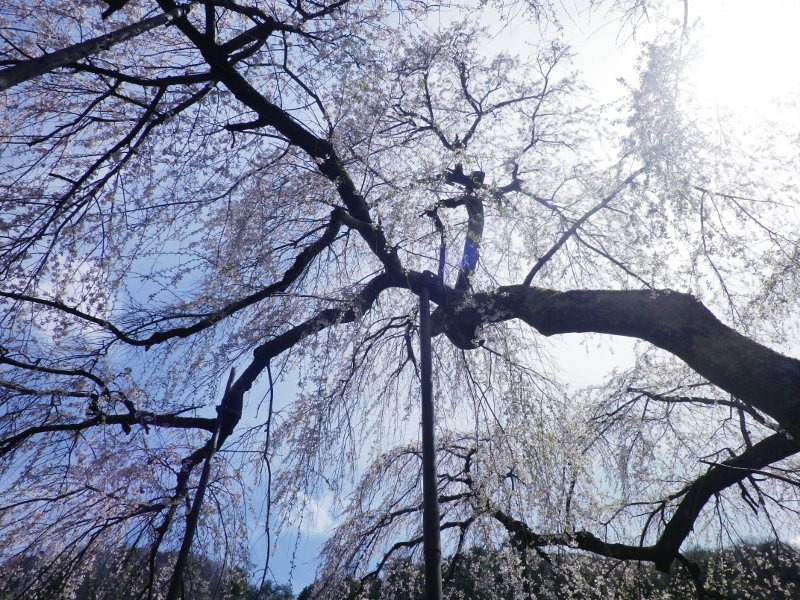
column 430, row 511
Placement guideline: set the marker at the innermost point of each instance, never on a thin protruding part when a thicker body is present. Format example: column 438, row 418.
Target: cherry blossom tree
column 255, row 190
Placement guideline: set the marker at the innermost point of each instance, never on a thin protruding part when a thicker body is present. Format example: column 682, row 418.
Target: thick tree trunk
column 676, row 322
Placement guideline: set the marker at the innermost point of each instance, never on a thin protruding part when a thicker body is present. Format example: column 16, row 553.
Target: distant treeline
column 764, row 571
column 125, row 575
column 767, row 571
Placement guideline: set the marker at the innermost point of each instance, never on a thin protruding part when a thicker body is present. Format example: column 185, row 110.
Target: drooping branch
column 413, row 543
column 700, row 400
column 257, row 34
column 578, row 223
column 479, row 106
column 250, row 40
column 32, row 68
column 193, row 517
column 164, row 81
column 666, row 549
column 289, row 277
column 143, row 418
column 471, row 502
column 263, row 354
column 71, row 206
column 12, row 362
column 676, row 322
column 269, row 114
column 522, row 536
column 719, row 477
column 23, row 390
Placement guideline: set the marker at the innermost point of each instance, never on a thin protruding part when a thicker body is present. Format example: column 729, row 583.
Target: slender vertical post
column 430, row 502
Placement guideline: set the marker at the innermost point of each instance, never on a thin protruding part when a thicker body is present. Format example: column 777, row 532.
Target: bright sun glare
column 748, row 52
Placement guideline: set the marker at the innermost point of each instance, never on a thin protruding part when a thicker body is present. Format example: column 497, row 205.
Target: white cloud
column 317, row 516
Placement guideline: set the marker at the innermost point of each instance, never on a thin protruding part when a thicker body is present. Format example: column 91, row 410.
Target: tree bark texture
column 676, row 322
